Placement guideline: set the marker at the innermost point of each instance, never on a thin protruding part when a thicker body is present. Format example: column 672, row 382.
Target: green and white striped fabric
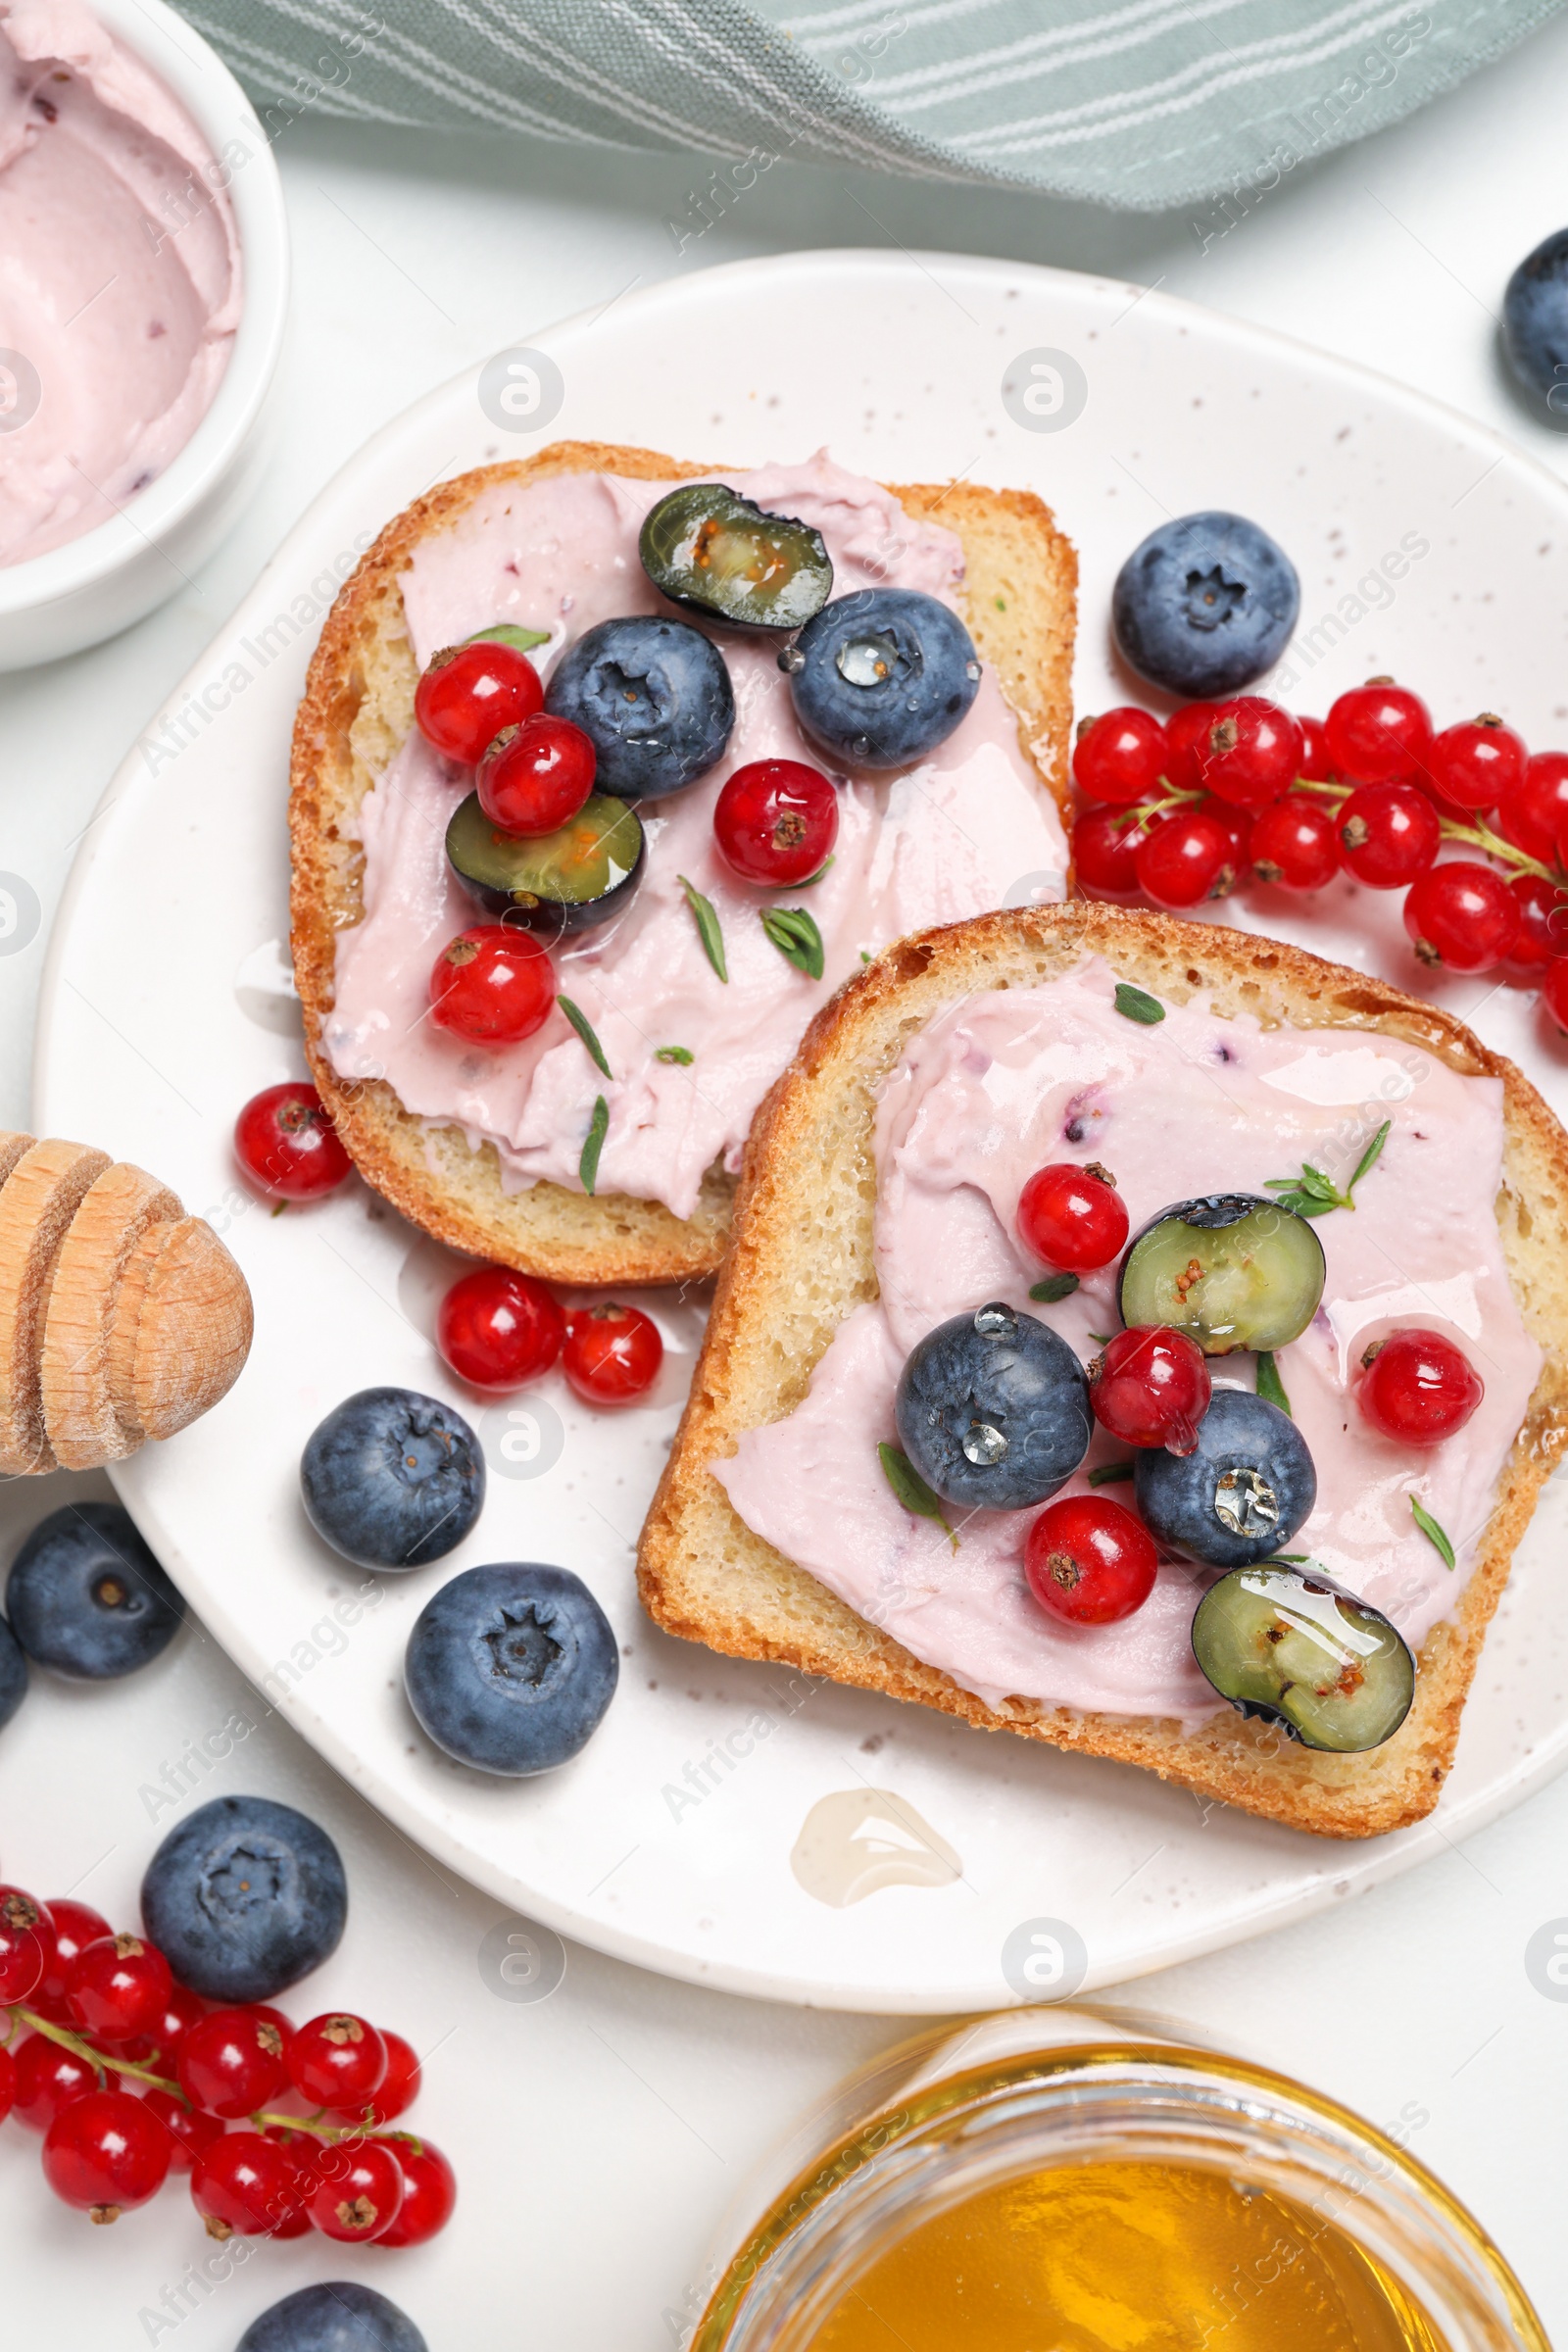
column 1140, row 104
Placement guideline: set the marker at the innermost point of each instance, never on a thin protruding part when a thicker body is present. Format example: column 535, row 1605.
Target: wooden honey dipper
column 121, row 1317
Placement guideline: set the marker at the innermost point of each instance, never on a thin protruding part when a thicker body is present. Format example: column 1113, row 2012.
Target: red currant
column 469, row 693
column 1388, row 834
column 163, row 2037
column 613, row 1354
column 1462, row 916
column 1316, row 766
column 1089, row 1560
column 106, row 2154
column 535, row 777
column 492, row 985
column 358, row 2191
column 73, row 1926
column 1418, row 1386
column 48, row 2078
column 498, row 1329
column 1379, row 733
column 1535, row 812
column 1188, row 746
column 429, row 2194
column 337, row 2060
column 1104, row 846
column 1479, row 763
column 249, row 2183
column 7, row 2082
column 1237, row 826
column 398, row 2089
column 232, row 2063
column 1554, row 990
column 191, row 2132
column 302, row 2150
column 1254, row 751
column 1120, row 757
column 117, row 1987
column 1072, row 1217
column 1295, row 844
column 776, row 821
column 26, row 1941
column 1543, row 923
column 287, row 1145
column 1185, row 860
column 1150, row 1387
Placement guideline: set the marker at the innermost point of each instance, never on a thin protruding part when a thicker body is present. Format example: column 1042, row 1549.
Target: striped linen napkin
column 1137, row 103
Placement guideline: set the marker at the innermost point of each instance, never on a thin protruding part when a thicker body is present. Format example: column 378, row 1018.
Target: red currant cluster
column 498, row 1330
column 131, row 2077
column 1182, row 810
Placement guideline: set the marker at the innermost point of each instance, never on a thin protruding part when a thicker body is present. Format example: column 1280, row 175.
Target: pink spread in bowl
column 997, row 1086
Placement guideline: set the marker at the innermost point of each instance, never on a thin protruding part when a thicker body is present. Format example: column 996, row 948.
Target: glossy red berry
column 338, row 2060
column 535, row 777
column 1478, row 763
column 1462, row 916
column 302, row 2150
column 399, row 2087
column 1388, row 834
column 492, row 985
column 1237, row 826
column 287, row 1145
column 1120, row 757
column 469, row 693
column 1554, row 990
column 1188, row 746
column 358, row 2191
column 612, row 1352
column 191, row 2132
column 26, row 1942
column 164, row 2034
column 106, row 2154
column 117, row 1987
column 1295, row 844
column 429, row 2194
column 1254, row 751
column 1418, row 1386
column 1535, row 812
column 1316, row 765
column 248, row 2185
column 1185, row 860
column 1072, row 1217
column 48, row 2078
column 1150, row 1387
column 73, row 1926
column 1379, row 733
column 776, row 821
column 232, row 2063
column 1543, row 923
column 497, row 1329
column 1104, row 846
column 1088, row 1561
column 7, row 2082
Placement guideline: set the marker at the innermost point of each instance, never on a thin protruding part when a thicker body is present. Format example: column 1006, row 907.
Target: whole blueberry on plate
column 1240, row 1494
column 653, row 697
column 13, row 1674
column 1534, row 321
column 881, row 677
column 86, row 1598
column 1205, row 605
column 993, row 1409
column 336, row 2314
column 511, row 1668
column 244, row 1899
column 392, row 1479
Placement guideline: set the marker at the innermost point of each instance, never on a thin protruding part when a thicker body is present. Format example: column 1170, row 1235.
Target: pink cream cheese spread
column 119, row 276
column 1003, row 1083
column 948, row 838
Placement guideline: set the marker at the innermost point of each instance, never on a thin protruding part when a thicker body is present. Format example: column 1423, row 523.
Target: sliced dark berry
column 1232, row 1271
column 1286, row 1643
column 552, row 883
column 715, row 554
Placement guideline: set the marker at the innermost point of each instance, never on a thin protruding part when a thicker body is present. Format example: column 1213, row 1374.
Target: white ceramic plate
column 669, row 1840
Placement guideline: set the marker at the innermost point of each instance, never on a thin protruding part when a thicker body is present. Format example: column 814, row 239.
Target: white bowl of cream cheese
column 143, row 297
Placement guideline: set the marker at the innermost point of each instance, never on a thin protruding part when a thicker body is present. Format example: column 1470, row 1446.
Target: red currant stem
column 99, row 2059
column 1477, row 836
column 1172, row 798
column 1482, row 837
column 325, row 2130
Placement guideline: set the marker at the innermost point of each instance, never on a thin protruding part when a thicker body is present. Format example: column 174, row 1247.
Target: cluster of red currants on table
column 131, row 2077
column 1184, row 809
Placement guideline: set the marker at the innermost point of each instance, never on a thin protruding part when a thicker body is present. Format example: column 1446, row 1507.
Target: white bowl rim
column 199, row 78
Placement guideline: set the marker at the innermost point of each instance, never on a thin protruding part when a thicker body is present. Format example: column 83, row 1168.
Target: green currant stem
column 97, row 2059
column 1172, row 798
column 330, row 2132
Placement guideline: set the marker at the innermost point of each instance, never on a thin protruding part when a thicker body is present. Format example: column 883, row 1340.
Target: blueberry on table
column 1205, row 605
column 993, row 1409
column 1243, row 1492
column 654, row 697
column 1287, row 1643
column 719, row 556
column 549, row 884
column 1534, row 321
column 392, row 1479
column 336, row 2314
column 1231, row 1269
column 244, row 1899
column 883, row 676
column 13, row 1674
column 511, row 1668
column 86, row 1598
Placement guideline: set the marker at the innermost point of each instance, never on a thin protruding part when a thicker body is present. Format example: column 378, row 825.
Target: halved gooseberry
column 1287, row 1643
column 1232, row 1269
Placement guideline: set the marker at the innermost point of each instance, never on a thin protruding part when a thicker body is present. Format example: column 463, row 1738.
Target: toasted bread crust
column 809, row 1186
column 359, row 707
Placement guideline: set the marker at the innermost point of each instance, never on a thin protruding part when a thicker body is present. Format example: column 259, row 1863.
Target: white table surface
column 599, row 2134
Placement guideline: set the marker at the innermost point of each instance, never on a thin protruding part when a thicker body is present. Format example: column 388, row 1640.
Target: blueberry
column 1241, row 1493
column 1205, row 605
column 655, row 699
column 883, row 676
column 86, row 1598
column 244, row 1899
column 993, row 1409
column 13, row 1674
column 511, row 1668
column 334, row 2315
column 1534, row 322
column 392, row 1479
